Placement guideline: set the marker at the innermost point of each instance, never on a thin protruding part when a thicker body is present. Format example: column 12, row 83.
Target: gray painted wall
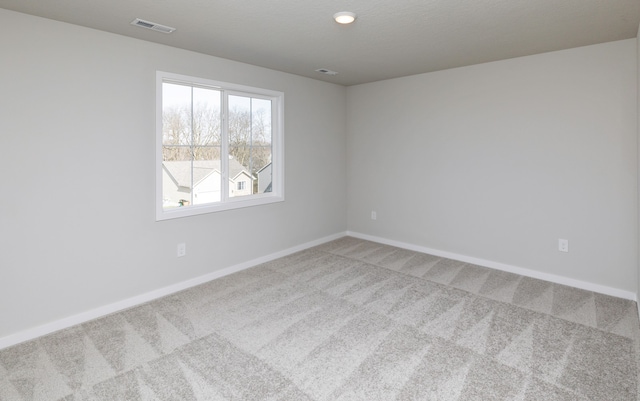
column 77, row 108
column 495, row 161
column 509, row 156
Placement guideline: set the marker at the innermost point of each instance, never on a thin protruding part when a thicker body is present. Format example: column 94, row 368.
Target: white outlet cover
column 563, row 245
column 182, row 250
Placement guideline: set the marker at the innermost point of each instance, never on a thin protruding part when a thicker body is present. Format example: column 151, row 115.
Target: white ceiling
column 390, row 38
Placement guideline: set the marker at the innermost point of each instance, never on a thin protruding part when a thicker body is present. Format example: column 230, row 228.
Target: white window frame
column 277, row 148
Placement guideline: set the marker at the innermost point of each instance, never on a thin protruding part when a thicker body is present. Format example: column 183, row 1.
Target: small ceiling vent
column 152, row 25
column 326, row 71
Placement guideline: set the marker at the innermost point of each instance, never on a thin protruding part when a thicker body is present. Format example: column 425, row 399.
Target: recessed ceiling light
column 152, row 25
column 344, row 17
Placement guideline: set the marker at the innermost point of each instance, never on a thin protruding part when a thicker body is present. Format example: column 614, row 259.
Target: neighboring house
column 264, row 179
column 176, row 181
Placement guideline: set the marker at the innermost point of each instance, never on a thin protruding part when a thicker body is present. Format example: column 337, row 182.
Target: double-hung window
column 219, row 146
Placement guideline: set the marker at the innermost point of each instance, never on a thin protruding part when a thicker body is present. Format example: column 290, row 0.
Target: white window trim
column 277, row 150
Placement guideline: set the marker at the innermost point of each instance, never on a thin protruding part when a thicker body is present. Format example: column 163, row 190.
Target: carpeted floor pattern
column 347, row 320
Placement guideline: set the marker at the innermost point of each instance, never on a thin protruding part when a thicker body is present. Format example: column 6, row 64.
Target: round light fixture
column 344, row 17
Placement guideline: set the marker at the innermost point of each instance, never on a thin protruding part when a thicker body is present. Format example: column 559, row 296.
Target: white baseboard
column 615, row 292
column 83, row 317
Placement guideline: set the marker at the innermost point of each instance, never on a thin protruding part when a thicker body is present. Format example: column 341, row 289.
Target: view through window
column 217, row 146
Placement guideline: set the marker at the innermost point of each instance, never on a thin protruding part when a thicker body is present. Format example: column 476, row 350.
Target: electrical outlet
column 374, row 215
column 182, row 250
column 563, row 245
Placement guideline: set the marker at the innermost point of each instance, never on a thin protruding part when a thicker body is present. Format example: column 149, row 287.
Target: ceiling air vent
column 326, row 72
column 152, row 25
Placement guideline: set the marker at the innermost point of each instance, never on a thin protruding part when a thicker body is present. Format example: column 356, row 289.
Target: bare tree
column 187, row 135
column 250, row 138
column 196, row 135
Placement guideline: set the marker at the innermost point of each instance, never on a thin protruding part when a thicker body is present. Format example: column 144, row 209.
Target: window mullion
column 251, row 141
column 224, row 152
column 193, row 151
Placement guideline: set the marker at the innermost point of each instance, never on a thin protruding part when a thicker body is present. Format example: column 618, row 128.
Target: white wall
column 509, row 156
column 77, row 130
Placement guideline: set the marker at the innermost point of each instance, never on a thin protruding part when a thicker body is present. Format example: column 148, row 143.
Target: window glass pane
column 250, row 140
column 261, row 145
column 207, row 176
column 191, row 145
column 176, row 114
column 176, row 178
column 261, row 119
column 239, row 121
column 264, row 182
column 240, row 178
column 206, row 117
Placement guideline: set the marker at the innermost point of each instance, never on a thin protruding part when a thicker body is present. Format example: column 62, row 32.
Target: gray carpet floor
column 347, row 320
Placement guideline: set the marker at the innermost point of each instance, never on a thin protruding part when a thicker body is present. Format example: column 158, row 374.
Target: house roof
column 389, row 39
column 265, row 166
column 180, row 171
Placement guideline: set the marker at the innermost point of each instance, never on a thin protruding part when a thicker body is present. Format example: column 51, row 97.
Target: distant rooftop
column 181, row 170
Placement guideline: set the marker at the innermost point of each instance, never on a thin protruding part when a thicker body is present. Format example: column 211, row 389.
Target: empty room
column 363, row 200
